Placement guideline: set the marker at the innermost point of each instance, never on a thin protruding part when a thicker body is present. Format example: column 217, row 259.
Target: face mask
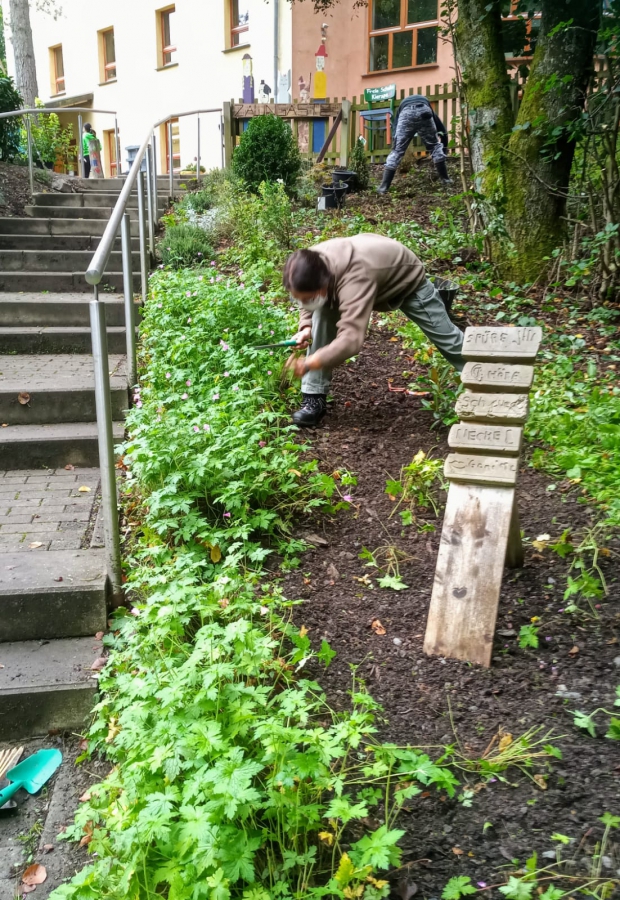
column 317, row 302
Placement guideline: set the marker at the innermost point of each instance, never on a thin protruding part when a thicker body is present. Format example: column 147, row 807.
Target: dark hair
column 88, row 127
column 306, row 271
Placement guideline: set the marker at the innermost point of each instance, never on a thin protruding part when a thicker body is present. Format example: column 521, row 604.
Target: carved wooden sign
column 474, row 437
column 475, row 469
column 487, row 376
column 507, row 344
column 285, row 110
column 509, row 409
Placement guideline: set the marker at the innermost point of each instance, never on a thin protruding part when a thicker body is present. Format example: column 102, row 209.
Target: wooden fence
column 312, row 123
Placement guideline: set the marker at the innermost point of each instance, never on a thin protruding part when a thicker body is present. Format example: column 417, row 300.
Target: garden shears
column 279, row 344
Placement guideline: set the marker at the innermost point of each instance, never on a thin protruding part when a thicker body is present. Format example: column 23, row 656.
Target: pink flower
column 271, row 332
column 139, row 404
column 481, row 884
column 216, row 396
column 188, row 294
column 135, row 611
column 227, row 515
column 213, row 281
column 219, row 278
column 200, row 278
column 259, row 327
column 268, row 371
column 271, row 353
column 184, row 396
column 196, row 428
column 188, row 383
column 199, row 253
column 224, row 345
column 189, row 320
column 167, row 374
column 159, row 305
column 226, row 374
column 262, row 443
column 242, row 285
column 236, row 388
column 195, row 294
column 213, row 263
column 207, row 427
column 348, row 498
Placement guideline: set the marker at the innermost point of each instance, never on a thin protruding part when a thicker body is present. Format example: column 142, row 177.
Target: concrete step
column 40, row 225
column 52, row 594
column 35, row 340
column 57, row 310
column 85, row 212
column 30, row 446
column 60, row 388
column 91, row 198
column 58, row 260
column 97, row 185
column 57, row 242
column 61, row 282
column 46, row 686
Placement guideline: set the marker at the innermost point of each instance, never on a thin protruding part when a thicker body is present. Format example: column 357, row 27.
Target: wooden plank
column 286, row 110
column 344, row 133
column 502, row 409
column 507, row 344
column 472, row 551
column 229, row 141
column 330, row 137
column 475, row 437
column 497, row 376
column 472, row 468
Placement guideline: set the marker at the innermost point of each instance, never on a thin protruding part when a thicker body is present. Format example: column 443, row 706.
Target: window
column 403, row 33
column 520, row 28
column 176, row 146
column 107, row 55
column 58, row 70
column 239, row 22
column 164, row 31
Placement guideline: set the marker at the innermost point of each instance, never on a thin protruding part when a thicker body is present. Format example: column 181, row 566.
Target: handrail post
column 30, row 160
column 155, row 208
column 198, row 155
column 170, row 162
column 117, row 143
column 80, row 151
column 149, row 198
column 130, row 309
column 144, row 266
column 105, row 436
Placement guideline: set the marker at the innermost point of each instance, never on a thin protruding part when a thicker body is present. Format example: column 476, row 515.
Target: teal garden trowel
column 31, row 774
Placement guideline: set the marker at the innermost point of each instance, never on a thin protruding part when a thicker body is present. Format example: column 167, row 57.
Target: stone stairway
column 53, row 587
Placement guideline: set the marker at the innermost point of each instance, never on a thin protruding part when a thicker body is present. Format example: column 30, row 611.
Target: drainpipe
column 276, row 41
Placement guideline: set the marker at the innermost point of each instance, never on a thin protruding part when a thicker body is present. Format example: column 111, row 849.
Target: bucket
column 447, row 290
column 334, row 195
column 345, row 177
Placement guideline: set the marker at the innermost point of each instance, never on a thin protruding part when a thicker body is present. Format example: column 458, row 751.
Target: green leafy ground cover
column 232, row 777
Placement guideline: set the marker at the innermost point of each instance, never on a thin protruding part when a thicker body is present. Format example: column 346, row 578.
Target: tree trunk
column 21, row 36
column 539, row 154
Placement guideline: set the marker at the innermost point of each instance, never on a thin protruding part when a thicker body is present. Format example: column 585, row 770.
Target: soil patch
column 434, row 702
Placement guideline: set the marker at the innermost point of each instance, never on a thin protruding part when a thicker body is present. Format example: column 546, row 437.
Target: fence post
column 80, row 150
column 30, row 160
column 149, row 198
column 198, row 154
column 106, row 444
column 170, row 162
column 228, row 133
column 130, row 310
column 345, row 133
column 117, row 143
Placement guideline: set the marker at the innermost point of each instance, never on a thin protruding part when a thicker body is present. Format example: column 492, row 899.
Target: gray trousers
column 416, row 118
column 425, row 308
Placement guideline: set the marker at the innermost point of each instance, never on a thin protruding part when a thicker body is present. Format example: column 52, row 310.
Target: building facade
column 145, row 60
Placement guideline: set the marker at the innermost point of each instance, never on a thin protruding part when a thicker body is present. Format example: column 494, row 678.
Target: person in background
column 337, row 285
column 414, row 116
column 95, row 156
column 87, row 136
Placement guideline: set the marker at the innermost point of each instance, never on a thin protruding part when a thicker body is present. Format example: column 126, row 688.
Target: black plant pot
column 347, row 177
column 334, row 195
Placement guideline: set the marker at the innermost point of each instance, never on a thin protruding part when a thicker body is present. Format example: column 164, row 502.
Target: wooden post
column 228, row 133
column 481, row 531
column 344, row 133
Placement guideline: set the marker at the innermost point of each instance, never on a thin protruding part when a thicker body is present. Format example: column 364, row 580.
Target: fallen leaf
column 393, row 340
column 333, row 572
column 407, row 889
column 99, row 635
column 315, row 539
column 5, row 424
column 99, row 663
column 69, row 468
column 505, row 741
column 326, row 837
column 541, row 782
column 86, row 840
column 303, row 631
column 216, row 554
column 27, row 888
column 84, row 489
column 83, row 745
column 113, row 729
column 224, row 602
column 377, row 627
column 48, row 847
column 34, row 545
column 34, row 874
column 23, row 398
column 457, row 851
column 573, row 651
column 295, row 472
column 85, row 797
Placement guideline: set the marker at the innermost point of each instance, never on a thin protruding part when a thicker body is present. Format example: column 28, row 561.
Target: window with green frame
column 402, row 34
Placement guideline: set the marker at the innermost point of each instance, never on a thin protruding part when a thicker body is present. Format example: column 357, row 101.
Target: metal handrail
column 26, row 113
column 120, row 219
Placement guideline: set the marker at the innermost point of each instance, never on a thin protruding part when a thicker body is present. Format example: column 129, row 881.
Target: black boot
column 312, row 410
column 388, row 177
column 442, row 171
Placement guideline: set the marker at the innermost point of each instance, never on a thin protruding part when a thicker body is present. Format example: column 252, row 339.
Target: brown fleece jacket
column 369, row 272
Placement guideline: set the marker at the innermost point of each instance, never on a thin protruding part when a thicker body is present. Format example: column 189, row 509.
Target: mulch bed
column 432, row 702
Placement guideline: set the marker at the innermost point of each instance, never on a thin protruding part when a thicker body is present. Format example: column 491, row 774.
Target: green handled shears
column 279, row 344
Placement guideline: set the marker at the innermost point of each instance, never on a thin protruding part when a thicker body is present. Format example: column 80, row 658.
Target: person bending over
column 414, row 116
column 337, row 285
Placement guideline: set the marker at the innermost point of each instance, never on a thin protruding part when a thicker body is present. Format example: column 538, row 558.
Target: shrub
column 359, row 164
column 184, row 245
column 10, row 129
column 267, row 152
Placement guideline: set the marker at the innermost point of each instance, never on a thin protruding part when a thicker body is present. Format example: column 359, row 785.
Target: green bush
column 10, row 129
column 359, row 164
column 184, row 245
column 267, row 152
